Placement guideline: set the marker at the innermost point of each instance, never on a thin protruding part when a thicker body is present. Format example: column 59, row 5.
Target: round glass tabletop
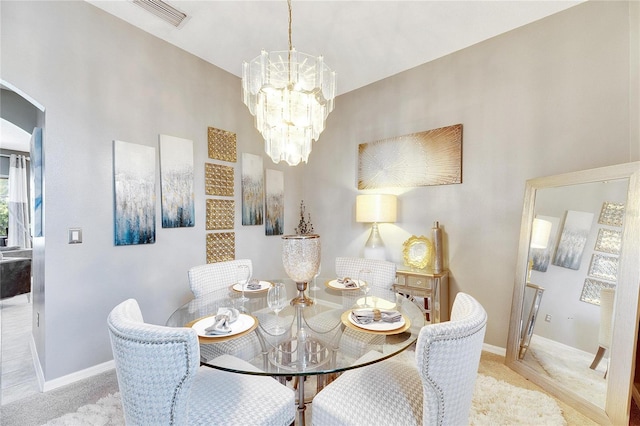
column 341, row 330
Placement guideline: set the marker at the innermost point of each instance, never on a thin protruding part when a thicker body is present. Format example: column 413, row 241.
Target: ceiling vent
column 164, row 11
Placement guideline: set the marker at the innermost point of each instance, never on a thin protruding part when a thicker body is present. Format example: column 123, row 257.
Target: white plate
column 263, row 286
column 378, row 325
column 339, row 286
column 243, row 323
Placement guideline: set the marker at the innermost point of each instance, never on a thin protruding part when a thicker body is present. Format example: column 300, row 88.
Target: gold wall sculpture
column 218, row 180
column 221, row 247
column 220, row 214
column 222, row 144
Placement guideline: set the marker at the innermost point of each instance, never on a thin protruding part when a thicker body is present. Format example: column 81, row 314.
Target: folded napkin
column 347, row 282
column 222, row 322
column 254, row 285
column 367, row 316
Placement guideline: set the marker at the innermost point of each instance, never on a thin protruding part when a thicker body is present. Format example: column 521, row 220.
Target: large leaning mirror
column 574, row 316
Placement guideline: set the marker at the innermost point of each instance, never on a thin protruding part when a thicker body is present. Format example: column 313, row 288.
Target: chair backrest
column 155, row 366
column 204, row 279
column 383, row 273
column 607, row 297
column 447, row 357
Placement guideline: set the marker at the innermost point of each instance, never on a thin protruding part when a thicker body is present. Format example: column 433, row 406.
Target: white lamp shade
column 540, row 232
column 376, row 208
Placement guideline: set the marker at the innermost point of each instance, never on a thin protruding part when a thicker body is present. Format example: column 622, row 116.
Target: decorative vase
column 436, row 235
column 301, row 260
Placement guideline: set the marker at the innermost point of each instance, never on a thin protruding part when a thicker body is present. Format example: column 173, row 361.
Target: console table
column 433, row 287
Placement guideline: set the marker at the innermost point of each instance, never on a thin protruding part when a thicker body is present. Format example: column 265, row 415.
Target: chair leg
column 597, row 358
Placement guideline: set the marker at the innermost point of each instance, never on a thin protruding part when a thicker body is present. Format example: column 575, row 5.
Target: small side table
column 433, row 287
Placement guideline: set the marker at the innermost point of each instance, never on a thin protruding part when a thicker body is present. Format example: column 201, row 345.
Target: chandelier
column 290, row 94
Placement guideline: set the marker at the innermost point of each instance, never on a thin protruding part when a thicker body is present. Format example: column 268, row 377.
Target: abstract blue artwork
column 134, row 171
column 274, row 223
column 36, row 176
column 252, row 190
column 176, row 182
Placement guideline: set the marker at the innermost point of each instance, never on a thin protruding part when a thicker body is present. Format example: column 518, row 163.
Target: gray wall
column 547, row 98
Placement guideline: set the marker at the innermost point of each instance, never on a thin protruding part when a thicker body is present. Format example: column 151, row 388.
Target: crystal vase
column 301, row 259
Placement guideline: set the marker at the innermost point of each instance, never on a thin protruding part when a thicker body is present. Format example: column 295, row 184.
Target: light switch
column 75, row 235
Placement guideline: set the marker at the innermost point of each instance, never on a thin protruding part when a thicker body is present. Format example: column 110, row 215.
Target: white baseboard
column 494, row 349
column 46, row 386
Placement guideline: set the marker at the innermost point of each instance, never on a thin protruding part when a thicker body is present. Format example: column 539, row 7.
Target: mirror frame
column 422, row 261
column 625, row 331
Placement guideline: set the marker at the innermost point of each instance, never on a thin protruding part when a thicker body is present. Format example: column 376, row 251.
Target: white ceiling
column 363, row 41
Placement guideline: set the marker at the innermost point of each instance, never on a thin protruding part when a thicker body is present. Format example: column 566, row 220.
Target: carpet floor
column 95, row 401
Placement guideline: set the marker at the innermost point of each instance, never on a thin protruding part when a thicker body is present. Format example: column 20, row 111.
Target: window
column 4, row 206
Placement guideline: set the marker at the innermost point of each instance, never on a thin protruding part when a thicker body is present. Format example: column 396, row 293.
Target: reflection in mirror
column 564, row 315
column 565, row 284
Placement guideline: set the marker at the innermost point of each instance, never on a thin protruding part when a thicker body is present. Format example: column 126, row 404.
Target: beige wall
column 548, row 98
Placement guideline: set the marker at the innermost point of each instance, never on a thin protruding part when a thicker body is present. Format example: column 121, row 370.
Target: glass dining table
column 320, row 340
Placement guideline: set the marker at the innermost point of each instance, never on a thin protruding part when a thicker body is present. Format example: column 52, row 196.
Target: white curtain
column 19, row 229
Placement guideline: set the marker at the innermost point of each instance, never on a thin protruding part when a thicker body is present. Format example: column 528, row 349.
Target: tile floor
column 18, row 376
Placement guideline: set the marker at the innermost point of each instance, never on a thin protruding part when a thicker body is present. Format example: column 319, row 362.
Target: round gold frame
column 417, row 252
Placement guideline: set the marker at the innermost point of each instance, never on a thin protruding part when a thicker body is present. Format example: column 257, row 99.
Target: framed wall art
column 575, row 232
column 221, row 246
column 542, row 256
column 252, row 190
column 134, row 174
column 433, row 157
column 218, row 180
column 176, row 182
column 274, row 221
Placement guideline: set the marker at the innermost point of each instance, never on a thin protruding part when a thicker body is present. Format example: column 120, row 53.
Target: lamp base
column 374, row 248
column 301, row 299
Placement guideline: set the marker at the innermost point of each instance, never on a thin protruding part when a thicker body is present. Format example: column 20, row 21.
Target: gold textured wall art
column 221, row 247
column 222, row 144
column 432, row 157
column 218, row 180
column 220, row 214
column 611, row 214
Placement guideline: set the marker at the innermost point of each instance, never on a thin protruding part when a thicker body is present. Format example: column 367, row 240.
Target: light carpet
column 571, row 369
column 495, row 402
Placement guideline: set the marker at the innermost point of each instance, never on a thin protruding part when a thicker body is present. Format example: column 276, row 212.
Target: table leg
column 301, row 404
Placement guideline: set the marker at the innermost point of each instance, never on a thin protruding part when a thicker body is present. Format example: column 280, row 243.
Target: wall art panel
column 433, row 157
column 252, row 190
column 176, row 182
column 221, row 247
column 134, row 172
column 274, row 223
column 221, row 144
column 577, row 226
column 220, row 214
column 218, row 180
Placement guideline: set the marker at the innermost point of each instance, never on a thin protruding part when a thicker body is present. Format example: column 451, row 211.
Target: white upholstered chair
column 383, row 274
column 607, row 297
column 212, row 277
column 437, row 390
column 161, row 381
column 206, row 278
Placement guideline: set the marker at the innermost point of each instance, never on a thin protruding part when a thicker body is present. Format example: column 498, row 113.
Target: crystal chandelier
column 290, row 94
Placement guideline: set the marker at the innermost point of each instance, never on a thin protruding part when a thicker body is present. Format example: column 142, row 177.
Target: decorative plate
column 417, row 252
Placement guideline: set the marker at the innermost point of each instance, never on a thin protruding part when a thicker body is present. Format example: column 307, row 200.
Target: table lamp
column 375, row 208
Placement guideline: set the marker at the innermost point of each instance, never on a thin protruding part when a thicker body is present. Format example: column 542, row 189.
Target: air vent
column 164, row 11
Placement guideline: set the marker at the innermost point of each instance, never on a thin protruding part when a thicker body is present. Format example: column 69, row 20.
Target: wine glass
column 243, row 275
column 364, row 281
column 315, row 279
column 277, row 300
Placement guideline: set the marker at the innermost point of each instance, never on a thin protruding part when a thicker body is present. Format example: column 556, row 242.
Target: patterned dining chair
column 161, row 381
column 436, row 390
column 383, row 274
column 207, row 280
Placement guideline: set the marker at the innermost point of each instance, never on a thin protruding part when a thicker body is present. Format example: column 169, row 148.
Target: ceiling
column 363, row 41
